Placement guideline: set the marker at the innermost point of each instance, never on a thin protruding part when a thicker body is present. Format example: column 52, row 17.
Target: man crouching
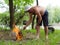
column 42, row 15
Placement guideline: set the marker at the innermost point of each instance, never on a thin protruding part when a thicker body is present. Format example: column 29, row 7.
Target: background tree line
column 20, row 15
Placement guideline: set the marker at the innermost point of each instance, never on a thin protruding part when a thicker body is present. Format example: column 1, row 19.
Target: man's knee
column 46, row 27
column 37, row 27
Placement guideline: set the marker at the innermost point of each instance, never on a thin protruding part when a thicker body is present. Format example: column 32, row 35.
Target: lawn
column 54, row 38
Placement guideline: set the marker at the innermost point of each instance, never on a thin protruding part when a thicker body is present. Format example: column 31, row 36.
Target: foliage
column 19, row 12
column 57, row 14
column 54, row 14
column 4, row 18
column 19, row 4
column 19, row 9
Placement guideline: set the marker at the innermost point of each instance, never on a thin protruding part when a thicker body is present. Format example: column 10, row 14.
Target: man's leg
column 46, row 32
column 37, row 31
column 38, row 28
column 45, row 23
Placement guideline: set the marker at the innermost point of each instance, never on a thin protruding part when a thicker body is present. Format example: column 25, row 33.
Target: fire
column 17, row 32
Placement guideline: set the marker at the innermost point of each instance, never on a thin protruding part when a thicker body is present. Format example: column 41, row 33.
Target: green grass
column 54, row 39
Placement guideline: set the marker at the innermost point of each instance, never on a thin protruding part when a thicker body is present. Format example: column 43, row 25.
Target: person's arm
column 29, row 21
column 39, row 18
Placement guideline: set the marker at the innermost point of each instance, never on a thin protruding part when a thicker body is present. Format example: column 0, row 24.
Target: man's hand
column 24, row 27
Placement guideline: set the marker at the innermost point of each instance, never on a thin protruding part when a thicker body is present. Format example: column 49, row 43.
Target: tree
column 17, row 6
column 11, row 13
column 34, row 16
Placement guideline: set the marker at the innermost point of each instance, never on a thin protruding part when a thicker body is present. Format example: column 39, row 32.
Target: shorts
column 44, row 19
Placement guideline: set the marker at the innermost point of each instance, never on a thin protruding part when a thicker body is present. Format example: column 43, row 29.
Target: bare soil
column 5, row 35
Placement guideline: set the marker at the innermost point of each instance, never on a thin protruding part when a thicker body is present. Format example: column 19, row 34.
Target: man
column 42, row 15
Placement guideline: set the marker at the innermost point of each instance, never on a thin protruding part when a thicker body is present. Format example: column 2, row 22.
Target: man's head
column 27, row 7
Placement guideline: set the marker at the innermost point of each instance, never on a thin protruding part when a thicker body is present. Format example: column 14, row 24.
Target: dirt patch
column 5, row 35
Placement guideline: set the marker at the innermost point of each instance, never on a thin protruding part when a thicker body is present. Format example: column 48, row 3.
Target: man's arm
column 29, row 21
column 39, row 18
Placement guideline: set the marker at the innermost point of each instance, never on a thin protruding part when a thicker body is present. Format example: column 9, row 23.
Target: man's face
column 30, row 11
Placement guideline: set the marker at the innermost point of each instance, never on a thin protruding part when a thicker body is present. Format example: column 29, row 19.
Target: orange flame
column 18, row 33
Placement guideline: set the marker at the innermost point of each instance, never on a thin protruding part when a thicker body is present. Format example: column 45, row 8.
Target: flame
column 18, row 33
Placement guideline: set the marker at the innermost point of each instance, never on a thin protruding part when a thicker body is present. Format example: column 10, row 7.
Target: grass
column 54, row 39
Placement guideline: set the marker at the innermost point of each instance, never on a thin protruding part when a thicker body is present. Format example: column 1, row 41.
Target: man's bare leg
column 37, row 31
column 46, row 32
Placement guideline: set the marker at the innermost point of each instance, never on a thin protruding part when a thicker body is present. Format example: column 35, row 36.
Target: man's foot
column 37, row 37
column 46, row 37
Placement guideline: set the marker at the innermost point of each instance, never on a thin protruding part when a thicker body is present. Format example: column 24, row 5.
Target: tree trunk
column 34, row 16
column 33, row 22
column 11, row 13
column 37, row 2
